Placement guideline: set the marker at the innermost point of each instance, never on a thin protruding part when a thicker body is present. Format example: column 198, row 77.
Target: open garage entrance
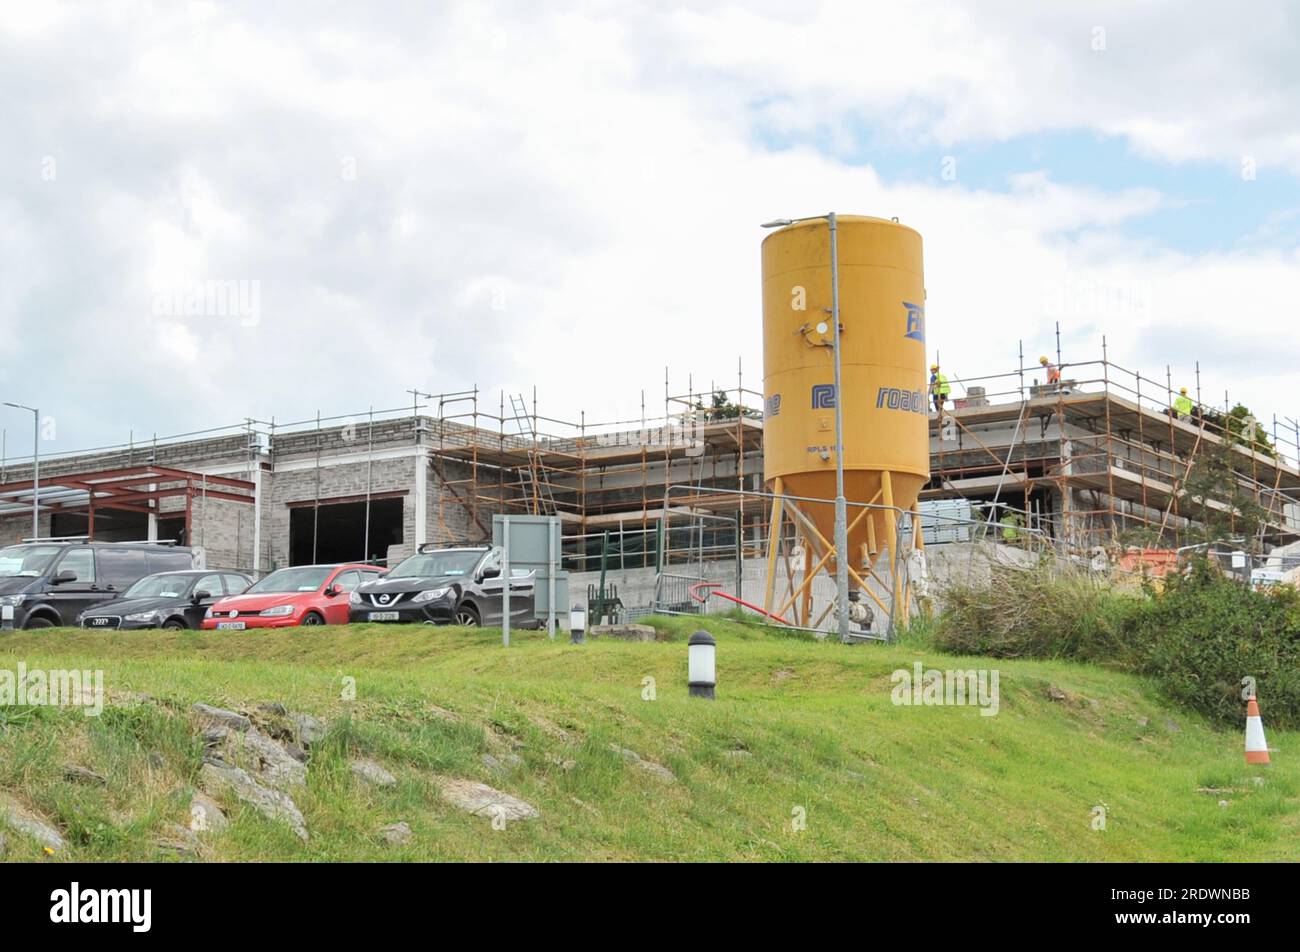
column 335, row 530
column 111, row 525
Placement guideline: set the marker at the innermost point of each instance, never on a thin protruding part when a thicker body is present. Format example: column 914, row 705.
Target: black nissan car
column 446, row 586
column 165, row 600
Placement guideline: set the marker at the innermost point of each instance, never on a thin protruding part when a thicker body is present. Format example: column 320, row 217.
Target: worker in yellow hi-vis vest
column 1011, row 525
column 1183, row 404
column 939, row 388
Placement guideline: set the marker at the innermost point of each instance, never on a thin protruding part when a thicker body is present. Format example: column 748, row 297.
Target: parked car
column 444, row 586
column 301, row 595
column 165, row 600
column 50, row 583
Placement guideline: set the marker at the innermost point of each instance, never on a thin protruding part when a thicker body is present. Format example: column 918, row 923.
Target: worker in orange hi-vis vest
column 1053, row 371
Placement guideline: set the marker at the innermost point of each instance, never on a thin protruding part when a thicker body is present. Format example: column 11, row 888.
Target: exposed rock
column 274, row 708
column 737, row 753
column 4, row 846
column 205, row 815
column 218, row 717
column 79, row 774
column 658, row 771
column 271, row 803
column 502, row 764
column 178, row 839
column 482, row 800
column 267, row 759
column 1055, row 693
column 397, row 834
column 296, row 752
column 21, row 820
column 372, row 773
column 1172, row 727
column 310, row 730
column 629, row 632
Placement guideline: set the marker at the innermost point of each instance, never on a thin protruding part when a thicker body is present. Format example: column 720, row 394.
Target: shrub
column 1199, row 636
column 1044, row 611
column 1205, row 632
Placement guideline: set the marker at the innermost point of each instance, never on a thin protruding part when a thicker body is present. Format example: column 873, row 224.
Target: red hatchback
column 301, row 595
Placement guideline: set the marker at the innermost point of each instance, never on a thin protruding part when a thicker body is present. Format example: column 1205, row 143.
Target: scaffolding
column 1099, row 459
column 1103, row 459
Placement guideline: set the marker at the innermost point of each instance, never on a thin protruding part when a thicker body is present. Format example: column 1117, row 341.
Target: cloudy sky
column 568, row 195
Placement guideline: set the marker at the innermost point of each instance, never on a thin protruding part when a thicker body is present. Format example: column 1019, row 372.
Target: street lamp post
column 36, row 465
column 841, row 505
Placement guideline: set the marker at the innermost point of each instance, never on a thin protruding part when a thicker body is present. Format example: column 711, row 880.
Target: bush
column 1205, row 632
column 1045, row 611
column 1198, row 637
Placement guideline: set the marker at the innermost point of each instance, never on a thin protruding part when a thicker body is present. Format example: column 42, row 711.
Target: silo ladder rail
column 702, row 598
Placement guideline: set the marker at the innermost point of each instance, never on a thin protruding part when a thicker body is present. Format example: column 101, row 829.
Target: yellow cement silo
column 884, row 372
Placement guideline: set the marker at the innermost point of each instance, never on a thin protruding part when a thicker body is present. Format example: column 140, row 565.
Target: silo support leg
column 899, row 614
column 773, row 542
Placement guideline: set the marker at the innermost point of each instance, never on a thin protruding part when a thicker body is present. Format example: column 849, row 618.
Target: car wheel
column 467, row 616
column 312, row 618
column 175, row 624
column 39, row 622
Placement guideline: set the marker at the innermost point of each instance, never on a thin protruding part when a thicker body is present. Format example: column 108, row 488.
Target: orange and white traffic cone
column 1256, row 746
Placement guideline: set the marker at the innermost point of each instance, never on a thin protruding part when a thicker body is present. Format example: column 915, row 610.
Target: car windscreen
column 160, row 586
column 307, row 578
column 432, row 564
column 28, row 561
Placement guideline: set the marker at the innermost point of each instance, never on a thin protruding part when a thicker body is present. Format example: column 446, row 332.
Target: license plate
column 384, row 616
column 232, row 625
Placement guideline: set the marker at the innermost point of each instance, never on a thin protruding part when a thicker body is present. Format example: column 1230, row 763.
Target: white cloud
column 519, row 195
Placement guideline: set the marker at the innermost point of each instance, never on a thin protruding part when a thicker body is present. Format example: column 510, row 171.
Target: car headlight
column 14, row 600
column 354, row 598
column 277, row 612
column 141, row 616
column 430, row 595
column 208, row 612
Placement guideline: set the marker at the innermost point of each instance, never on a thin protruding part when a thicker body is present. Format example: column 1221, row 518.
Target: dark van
column 49, row 583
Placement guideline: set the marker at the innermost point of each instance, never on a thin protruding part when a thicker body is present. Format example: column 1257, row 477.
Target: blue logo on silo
column 773, row 406
column 915, row 322
column 896, row 398
column 823, row 396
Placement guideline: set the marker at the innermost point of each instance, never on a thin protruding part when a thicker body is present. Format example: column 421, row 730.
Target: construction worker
column 1053, row 372
column 1183, row 404
column 1011, row 524
column 939, row 388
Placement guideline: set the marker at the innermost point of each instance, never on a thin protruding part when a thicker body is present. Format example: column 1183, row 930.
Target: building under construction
column 1096, row 460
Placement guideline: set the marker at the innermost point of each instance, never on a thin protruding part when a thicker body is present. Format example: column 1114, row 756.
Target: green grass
column 875, row 781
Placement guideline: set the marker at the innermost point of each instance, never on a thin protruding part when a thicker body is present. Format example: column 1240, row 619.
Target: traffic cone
column 1256, row 746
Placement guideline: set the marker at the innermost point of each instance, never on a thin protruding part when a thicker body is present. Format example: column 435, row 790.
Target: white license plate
column 384, row 616
column 232, row 625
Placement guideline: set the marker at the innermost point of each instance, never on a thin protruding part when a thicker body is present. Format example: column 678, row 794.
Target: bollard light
column 6, row 617
column 577, row 624
column 701, row 665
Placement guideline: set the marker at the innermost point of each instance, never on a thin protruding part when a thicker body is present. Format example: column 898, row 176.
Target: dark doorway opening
column 172, row 530
column 338, row 531
column 111, row 525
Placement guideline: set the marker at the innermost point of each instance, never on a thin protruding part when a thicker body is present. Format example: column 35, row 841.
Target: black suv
column 445, row 586
column 165, row 600
column 52, row 582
